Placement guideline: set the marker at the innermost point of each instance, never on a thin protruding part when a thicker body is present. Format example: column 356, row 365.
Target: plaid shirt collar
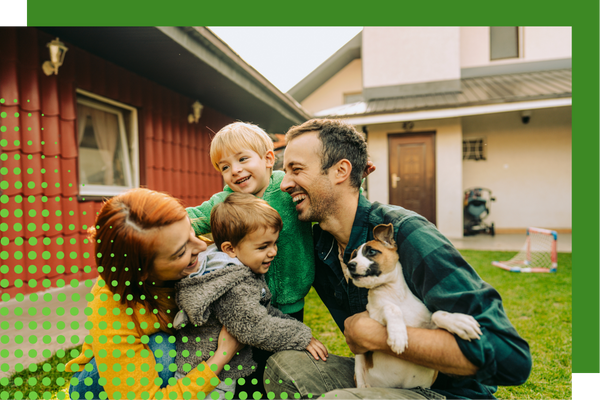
column 359, row 234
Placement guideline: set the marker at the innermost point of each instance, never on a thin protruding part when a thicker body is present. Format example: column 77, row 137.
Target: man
column 324, row 163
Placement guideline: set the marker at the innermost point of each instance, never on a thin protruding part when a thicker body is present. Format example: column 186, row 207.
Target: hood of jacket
column 195, row 294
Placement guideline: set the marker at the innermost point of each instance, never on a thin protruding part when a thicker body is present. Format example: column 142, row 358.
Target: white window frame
column 130, row 147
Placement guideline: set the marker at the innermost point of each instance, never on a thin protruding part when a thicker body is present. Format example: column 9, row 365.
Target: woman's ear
column 270, row 158
column 227, row 248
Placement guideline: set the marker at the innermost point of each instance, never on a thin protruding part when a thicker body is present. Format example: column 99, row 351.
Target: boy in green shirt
column 243, row 154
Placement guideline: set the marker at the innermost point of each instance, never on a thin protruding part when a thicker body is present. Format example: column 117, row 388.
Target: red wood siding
column 42, row 223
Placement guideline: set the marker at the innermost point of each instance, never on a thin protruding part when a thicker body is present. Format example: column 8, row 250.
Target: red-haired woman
column 144, row 244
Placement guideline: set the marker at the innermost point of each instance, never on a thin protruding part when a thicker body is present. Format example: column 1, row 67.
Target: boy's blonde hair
column 239, row 215
column 236, row 136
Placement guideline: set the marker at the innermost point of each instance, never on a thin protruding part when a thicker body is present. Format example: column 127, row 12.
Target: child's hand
column 228, row 344
column 369, row 169
column 227, row 347
column 317, row 349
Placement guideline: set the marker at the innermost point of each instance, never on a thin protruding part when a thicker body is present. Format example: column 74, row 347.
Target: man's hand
column 369, row 169
column 432, row 348
column 362, row 333
column 317, row 349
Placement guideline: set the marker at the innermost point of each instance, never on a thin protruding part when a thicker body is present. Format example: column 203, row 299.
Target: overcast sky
column 285, row 55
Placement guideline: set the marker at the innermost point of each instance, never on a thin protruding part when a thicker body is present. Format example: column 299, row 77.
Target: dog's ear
column 385, row 234
column 346, row 272
column 345, row 267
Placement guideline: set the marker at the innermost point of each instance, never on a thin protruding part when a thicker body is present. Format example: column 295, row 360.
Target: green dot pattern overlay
column 47, row 269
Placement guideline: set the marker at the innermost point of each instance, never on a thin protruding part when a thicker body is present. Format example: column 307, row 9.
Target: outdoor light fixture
column 526, row 116
column 194, row 117
column 57, row 56
column 408, row 125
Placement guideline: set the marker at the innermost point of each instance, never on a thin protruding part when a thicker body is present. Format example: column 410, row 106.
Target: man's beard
column 322, row 203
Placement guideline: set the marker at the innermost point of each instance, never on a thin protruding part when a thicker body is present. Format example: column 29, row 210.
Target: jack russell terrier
column 375, row 266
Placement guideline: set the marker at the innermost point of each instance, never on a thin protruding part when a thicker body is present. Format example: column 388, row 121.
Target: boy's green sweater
column 293, row 270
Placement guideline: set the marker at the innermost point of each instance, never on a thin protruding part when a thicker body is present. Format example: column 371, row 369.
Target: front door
column 412, row 173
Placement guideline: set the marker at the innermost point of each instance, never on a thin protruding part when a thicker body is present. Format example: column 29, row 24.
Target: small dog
column 375, row 266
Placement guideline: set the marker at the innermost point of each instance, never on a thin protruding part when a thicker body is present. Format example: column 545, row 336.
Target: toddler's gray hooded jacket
column 240, row 300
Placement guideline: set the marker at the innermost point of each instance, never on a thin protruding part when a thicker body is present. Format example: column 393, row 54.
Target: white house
column 449, row 108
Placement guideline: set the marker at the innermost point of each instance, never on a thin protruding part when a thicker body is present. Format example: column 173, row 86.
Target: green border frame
column 581, row 15
column 309, row 13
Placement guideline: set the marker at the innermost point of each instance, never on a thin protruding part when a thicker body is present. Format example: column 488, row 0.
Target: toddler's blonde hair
column 239, row 135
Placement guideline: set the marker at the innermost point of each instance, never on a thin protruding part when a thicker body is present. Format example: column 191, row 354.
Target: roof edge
column 516, row 68
column 346, row 54
column 229, row 52
column 246, row 76
column 368, row 108
column 458, row 112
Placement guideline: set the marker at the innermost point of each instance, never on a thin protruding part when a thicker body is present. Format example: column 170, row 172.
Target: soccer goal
column 538, row 253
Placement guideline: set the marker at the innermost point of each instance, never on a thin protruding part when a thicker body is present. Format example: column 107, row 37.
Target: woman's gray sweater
column 239, row 299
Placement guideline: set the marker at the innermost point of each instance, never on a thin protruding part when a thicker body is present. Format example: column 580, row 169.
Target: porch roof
column 529, row 88
column 195, row 62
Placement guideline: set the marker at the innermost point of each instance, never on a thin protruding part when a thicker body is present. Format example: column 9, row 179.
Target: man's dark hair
column 339, row 141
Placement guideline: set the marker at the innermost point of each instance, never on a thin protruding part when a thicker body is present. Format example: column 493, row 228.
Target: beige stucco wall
column 528, row 167
column 536, row 43
column 542, row 43
column 448, row 153
column 406, row 55
column 331, row 94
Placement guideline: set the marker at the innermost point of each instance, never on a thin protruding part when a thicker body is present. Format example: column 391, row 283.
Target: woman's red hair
column 125, row 235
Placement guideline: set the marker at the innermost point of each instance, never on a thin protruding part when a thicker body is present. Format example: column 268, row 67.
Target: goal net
column 538, row 253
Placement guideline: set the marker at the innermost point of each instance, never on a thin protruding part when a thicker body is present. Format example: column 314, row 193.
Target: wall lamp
column 526, row 116
column 57, row 56
column 194, row 117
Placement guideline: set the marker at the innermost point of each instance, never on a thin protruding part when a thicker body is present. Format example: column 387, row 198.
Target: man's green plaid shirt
column 438, row 275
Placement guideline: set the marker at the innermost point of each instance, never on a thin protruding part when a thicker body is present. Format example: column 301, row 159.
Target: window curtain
column 106, row 133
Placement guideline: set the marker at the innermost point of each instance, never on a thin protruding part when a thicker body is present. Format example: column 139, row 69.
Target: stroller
column 477, row 208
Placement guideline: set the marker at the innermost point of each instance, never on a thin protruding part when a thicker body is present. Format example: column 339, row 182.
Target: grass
column 45, row 380
column 538, row 305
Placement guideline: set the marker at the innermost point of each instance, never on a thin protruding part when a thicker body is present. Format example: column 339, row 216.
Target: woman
column 144, row 244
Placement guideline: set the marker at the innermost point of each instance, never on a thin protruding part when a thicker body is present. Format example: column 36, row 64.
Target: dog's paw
column 397, row 339
column 465, row 326
column 360, row 383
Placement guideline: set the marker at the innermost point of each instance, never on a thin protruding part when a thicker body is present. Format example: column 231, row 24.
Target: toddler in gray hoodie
column 229, row 289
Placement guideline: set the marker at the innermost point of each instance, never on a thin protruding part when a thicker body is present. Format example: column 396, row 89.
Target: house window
column 504, row 42
column 474, row 149
column 108, row 151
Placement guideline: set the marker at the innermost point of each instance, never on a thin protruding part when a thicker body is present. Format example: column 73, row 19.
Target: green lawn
column 539, row 305
column 45, row 380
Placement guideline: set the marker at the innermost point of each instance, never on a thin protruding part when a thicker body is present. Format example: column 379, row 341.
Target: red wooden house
column 117, row 114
